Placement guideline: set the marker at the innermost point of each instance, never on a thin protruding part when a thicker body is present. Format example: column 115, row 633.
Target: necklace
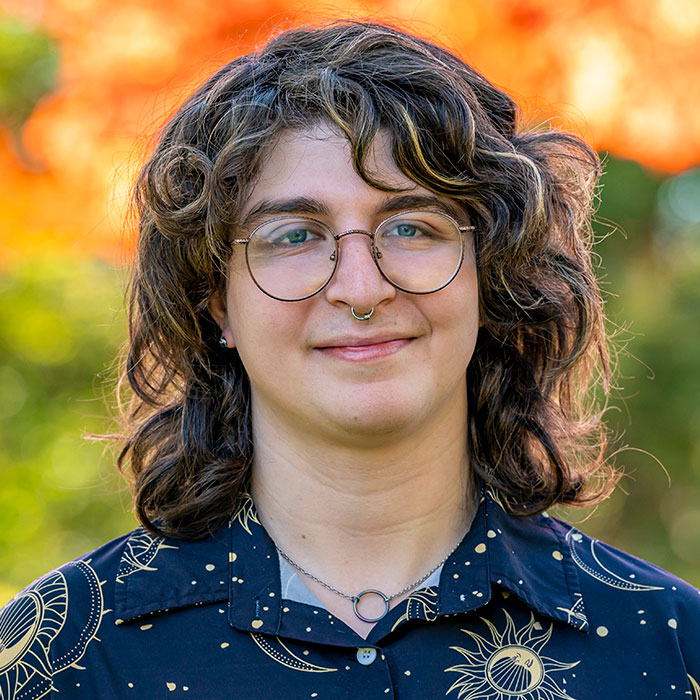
column 370, row 591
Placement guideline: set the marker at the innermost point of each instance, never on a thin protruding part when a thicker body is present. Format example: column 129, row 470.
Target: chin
column 378, row 419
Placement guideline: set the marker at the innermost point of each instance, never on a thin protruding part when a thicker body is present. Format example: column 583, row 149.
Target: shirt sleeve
column 687, row 622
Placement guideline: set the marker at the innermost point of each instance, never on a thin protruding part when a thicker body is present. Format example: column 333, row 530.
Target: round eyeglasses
column 291, row 258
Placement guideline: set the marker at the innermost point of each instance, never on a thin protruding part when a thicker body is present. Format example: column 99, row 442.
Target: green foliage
column 651, row 268
column 28, row 66
column 60, row 328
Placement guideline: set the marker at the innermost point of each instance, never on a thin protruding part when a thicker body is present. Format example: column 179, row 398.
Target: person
column 363, row 326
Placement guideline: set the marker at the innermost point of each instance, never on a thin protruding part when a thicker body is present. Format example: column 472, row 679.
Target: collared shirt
column 524, row 609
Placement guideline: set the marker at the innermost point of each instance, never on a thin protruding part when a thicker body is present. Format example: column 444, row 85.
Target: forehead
column 316, row 165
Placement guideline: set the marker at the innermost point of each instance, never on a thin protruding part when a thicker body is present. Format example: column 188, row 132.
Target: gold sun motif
column 509, row 666
column 497, row 497
column 420, row 605
column 140, row 551
column 246, row 513
column 31, row 622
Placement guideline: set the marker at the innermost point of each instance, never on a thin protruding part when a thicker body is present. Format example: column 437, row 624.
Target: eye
column 418, row 228
column 405, row 231
column 408, row 230
column 297, row 235
column 290, row 233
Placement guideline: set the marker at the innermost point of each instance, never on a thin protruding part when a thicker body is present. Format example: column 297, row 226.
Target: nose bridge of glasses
column 357, row 256
column 351, row 232
column 358, row 280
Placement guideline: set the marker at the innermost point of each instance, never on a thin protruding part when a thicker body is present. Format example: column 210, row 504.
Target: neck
column 358, row 518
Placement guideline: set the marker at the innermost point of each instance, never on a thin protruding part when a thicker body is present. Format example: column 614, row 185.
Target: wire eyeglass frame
column 376, row 254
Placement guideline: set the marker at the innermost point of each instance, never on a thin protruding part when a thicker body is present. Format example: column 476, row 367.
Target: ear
column 217, row 309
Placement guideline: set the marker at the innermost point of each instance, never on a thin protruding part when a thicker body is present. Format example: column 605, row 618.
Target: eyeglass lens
column 292, row 258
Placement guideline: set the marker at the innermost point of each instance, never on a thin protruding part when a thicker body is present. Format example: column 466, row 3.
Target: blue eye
column 290, row 236
column 407, row 230
column 293, row 237
column 298, row 235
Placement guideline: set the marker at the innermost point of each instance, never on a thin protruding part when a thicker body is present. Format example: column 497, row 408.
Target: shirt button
column 366, row 655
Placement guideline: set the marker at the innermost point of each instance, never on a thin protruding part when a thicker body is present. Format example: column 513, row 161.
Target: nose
column 357, row 281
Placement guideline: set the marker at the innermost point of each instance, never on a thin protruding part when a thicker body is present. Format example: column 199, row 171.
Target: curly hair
column 535, row 431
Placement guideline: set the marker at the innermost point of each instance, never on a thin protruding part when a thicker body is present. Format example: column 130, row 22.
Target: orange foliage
column 620, row 73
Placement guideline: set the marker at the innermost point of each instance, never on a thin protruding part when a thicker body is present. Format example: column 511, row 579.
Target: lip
column 355, row 341
column 364, row 349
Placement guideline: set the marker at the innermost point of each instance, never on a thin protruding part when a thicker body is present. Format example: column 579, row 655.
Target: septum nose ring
column 361, row 317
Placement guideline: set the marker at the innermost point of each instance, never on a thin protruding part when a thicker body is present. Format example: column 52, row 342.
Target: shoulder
column 621, row 590
column 91, row 579
column 49, row 625
column 61, row 630
column 83, row 577
column 611, row 568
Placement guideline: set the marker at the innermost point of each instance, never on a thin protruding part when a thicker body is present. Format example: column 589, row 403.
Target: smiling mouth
column 366, row 351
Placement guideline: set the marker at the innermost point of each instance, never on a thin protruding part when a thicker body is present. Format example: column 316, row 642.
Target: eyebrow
column 274, row 207
column 404, row 202
column 269, row 208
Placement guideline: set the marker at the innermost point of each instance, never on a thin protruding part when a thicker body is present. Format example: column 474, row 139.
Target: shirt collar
column 501, row 554
column 524, row 556
column 157, row 574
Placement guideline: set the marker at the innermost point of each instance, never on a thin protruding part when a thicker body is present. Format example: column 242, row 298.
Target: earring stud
column 223, row 343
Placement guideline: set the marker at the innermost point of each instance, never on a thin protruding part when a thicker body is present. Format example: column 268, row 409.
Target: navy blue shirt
column 525, row 609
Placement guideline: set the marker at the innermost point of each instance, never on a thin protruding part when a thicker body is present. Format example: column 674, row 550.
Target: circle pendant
column 370, row 591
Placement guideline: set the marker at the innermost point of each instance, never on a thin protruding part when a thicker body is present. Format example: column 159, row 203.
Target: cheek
column 456, row 319
column 262, row 327
column 459, row 301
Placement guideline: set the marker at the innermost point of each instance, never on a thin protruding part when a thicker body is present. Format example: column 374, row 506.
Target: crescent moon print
column 696, row 687
column 277, row 650
column 30, row 623
column 600, row 572
column 140, row 551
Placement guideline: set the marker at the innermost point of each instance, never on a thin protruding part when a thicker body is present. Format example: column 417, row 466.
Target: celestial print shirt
column 526, row 608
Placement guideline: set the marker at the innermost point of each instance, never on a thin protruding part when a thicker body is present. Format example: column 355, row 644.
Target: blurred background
column 84, row 85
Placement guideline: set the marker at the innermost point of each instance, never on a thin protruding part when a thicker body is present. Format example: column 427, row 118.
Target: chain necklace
column 370, row 591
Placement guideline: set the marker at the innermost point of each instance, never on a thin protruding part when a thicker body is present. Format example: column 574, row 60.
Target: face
column 314, row 368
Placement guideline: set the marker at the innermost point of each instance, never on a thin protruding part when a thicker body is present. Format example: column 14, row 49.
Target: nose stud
column 361, row 317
